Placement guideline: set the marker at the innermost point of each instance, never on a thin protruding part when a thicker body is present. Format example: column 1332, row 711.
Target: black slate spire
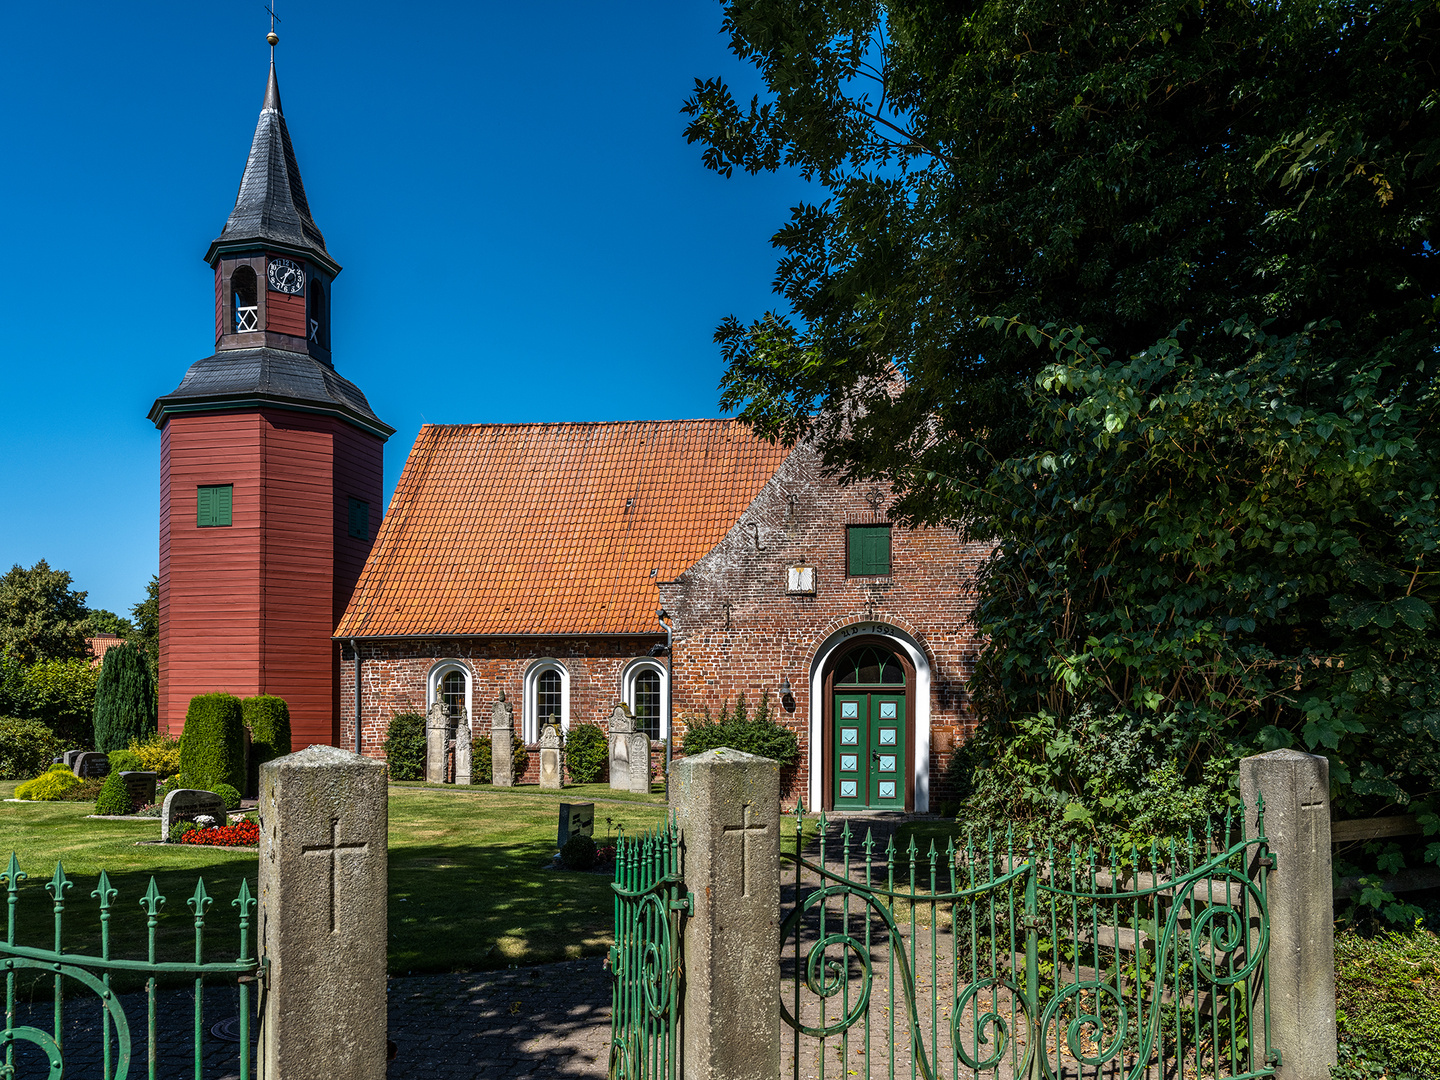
column 271, row 207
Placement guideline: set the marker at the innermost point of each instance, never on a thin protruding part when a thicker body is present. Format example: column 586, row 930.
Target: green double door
column 868, row 743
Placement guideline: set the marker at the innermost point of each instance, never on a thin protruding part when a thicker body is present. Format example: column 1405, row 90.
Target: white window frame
column 529, row 718
column 437, row 675
column 627, row 689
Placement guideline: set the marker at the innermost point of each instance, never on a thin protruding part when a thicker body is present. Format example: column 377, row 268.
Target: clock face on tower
column 286, row 276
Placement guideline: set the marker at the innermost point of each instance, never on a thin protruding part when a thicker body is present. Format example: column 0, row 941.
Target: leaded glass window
column 452, row 693
column 646, row 706
column 548, row 701
column 869, row 666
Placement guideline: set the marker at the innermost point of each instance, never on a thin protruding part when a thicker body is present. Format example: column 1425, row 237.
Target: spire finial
column 272, row 37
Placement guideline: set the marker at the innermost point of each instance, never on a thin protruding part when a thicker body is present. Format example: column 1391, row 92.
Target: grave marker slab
column 186, row 804
column 576, row 819
column 502, row 743
column 550, row 758
column 437, row 735
column 638, row 750
column 91, row 764
column 463, row 753
column 140, row 786
column 620, row 725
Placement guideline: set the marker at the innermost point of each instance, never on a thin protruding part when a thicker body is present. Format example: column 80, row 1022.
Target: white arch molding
column 529, row 722
column 437, row 673
column 903, row 642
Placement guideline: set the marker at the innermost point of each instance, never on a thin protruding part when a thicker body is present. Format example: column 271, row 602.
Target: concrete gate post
column 727, row 805
column 324, row 826
column 1301, row 962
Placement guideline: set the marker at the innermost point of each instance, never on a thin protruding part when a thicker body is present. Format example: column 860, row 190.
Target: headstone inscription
column 576, row 819
column 639, row 753
column 621, row 725
column 437, row 734
column 502, row 743
column 140, row 786
column 90, row 764
column 186, row 804
column 550, row 758
column 463, row 757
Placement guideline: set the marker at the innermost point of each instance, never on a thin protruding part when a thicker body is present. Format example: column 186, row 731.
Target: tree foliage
column 125, row 704
column 146, row 616
column 101, row 621
column 41, row 616
column 61, row 695
column 1145, row 294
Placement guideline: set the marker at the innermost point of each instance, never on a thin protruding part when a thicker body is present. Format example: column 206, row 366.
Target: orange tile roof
column 509, row 529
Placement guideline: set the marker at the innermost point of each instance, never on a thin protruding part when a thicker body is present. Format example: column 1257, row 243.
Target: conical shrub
column 124, row 699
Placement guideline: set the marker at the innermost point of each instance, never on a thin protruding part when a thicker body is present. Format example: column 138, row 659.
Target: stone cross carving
column 550, row 758
column 502, row 743
column 437, row 734
column 746, row 829
column 621, row 725
column 334, row 852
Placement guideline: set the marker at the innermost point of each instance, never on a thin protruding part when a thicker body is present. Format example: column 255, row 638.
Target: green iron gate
column 77, row 971
column 645, row 967
column 995, row 959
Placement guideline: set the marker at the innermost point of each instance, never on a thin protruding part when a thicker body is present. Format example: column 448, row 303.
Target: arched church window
column 452, row 693
column 549, row 701
column 645, row 702
column 869, row 665
column 319, row 322
column 244, row 300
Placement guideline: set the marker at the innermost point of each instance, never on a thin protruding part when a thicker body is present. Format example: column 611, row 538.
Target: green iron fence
column 650, row 902
column 1002, row 960
column 93, row 974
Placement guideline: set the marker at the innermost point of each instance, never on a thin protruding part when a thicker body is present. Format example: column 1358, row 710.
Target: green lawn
column 466, row 886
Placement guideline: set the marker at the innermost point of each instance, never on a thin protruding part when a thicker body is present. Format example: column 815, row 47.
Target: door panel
column 887, row 751
column 851, row 743
column 870, row 759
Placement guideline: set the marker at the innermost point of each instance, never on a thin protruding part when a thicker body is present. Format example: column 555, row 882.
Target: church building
column 550, row 562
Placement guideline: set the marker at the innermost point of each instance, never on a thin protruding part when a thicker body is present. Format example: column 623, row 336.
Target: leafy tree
column 61, row 695
column 125, row 705
column 100, row 621
column 146, row 615
column 41, row 616
column 1204, row 435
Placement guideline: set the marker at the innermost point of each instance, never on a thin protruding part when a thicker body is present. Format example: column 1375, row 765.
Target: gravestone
column 576, row 819
column 621, row 726
column 550, row 758
column 186, row 804
column 90, row 764
column 140, row 786
column 322, row 916
column 69, row 757
column 463, row 761
column 638, row 749
column 437, row 734
column 502, row 743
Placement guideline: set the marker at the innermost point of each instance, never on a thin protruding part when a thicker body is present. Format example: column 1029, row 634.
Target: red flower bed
column 244, row 833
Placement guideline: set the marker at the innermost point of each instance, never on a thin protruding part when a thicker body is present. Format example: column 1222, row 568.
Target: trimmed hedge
column 27, row 747
column 114, row 796
column 212, row 746
column 405, row 746
column 228, row 795
column 268, row 718
column 49, row 787
column 760, row 735
column 125, row 707
column 587, row 754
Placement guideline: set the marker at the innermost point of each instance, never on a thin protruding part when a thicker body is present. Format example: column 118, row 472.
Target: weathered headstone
column 437, row 735
column 90, row 764
column 502, row 743
column 186, row 804
column 550, row 758
column 463, row 762
column 620, row 725
column 69, row 757
column 639, row 753
column 1300, row 966
column 322, row 915
column 140, row 786
column 727, row 805
column 576, row 819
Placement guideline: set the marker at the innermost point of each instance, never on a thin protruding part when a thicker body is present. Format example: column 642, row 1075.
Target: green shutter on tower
column 869, row 550
column 360, row 519
column 213, row 504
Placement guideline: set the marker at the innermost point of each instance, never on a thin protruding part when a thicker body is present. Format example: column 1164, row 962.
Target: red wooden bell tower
column 270, row 466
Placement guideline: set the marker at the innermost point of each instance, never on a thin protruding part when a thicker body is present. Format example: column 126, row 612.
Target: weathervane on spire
column 272, row 37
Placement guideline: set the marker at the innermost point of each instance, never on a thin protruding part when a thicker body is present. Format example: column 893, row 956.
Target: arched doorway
column 869, row 727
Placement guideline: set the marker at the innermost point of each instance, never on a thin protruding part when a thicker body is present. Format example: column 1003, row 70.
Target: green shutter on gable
column 869, row 550
column 213, row 503
column 360, row 519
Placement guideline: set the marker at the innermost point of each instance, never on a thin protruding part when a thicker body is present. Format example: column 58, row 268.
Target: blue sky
column 525, row 233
